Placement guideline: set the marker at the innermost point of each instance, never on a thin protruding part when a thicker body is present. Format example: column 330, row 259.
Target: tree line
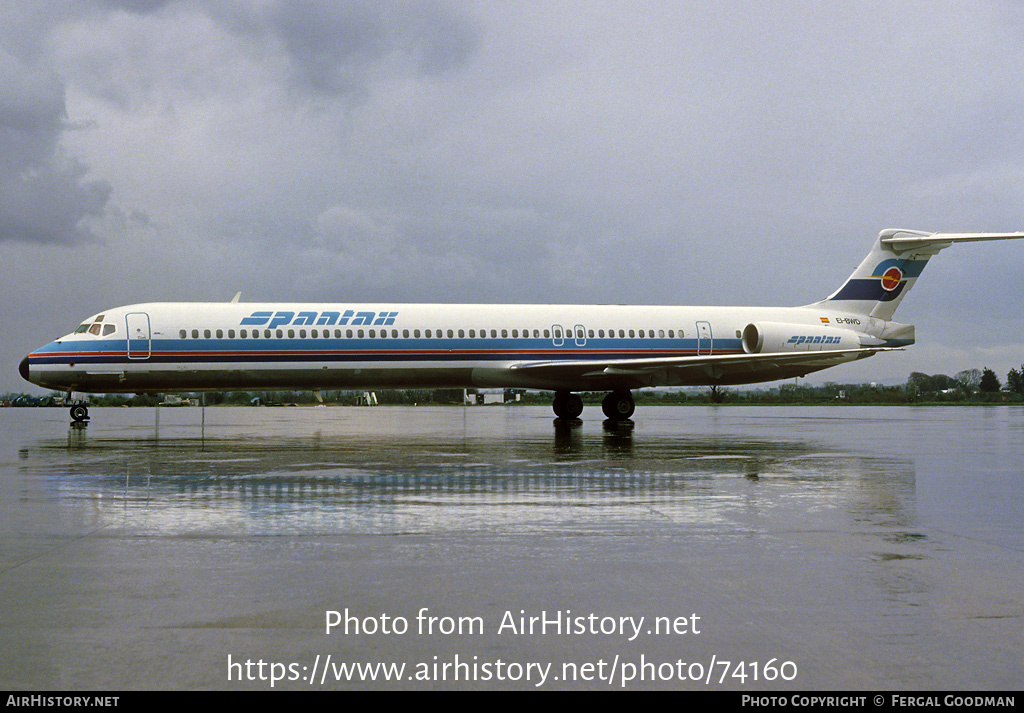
column 968, row 386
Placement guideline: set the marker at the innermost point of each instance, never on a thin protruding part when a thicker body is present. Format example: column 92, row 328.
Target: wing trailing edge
column 691, row 370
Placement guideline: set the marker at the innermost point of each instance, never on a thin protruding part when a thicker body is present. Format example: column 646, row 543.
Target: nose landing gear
column 79, row 407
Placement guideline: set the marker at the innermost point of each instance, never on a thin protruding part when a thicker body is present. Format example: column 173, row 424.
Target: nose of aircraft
column 23, row 369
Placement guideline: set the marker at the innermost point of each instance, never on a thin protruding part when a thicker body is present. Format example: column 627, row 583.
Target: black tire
column 618, row 405
column 79, row 413
column 567, row 406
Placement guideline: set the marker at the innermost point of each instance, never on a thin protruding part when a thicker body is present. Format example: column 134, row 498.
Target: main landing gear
column 567, row 406
column 617, row 406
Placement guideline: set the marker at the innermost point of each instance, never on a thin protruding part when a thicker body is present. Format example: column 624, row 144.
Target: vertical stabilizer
column 879, row 284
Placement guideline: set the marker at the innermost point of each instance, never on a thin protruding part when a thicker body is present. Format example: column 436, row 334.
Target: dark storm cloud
column 330, row 45
column 44, row 195
column 333, row 47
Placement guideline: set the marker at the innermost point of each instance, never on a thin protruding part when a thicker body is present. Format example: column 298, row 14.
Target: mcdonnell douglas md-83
column 207, row 346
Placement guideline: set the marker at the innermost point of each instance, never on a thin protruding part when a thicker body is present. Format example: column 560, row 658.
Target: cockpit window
column 96, row 327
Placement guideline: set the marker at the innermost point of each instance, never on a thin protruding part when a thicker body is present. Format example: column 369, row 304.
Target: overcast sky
column 536, row 151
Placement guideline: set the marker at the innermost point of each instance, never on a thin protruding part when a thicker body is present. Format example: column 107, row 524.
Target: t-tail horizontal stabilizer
column 878, row 285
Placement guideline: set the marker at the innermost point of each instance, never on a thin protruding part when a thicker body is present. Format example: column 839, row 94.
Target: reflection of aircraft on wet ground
column 168, row 347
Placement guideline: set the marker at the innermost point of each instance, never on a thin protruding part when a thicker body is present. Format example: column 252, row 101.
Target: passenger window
column 472, row 333
column 462, row 333
column 220, row 334
column 195, row 334
column 359, row 333
column 231, row 334
column 182, row 333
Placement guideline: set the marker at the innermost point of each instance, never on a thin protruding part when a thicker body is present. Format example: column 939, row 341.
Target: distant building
column 472, row 397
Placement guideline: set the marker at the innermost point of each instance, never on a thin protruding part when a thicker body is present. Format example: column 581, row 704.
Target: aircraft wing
column 682, row 370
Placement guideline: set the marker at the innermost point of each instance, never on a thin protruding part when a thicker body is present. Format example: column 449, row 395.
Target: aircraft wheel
column 567, row 406
column 79, row 413
column 618, row 405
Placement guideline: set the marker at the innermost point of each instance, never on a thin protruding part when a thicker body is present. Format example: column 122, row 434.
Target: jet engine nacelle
column 772, row 337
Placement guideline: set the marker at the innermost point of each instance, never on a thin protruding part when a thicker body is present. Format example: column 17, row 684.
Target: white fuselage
column 161, row 347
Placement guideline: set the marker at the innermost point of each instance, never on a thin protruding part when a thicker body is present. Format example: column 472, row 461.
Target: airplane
column 234, row 346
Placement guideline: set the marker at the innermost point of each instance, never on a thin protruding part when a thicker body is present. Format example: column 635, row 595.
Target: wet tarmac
column 491, row 547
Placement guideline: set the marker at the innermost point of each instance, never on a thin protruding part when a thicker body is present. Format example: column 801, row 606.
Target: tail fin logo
column 891, row 279
column 884, row 283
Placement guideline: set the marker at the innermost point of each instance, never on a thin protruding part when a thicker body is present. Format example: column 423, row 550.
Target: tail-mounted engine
column 772, row 337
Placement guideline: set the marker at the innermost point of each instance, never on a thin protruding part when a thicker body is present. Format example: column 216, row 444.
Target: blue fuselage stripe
column 256, row 351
